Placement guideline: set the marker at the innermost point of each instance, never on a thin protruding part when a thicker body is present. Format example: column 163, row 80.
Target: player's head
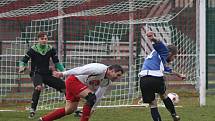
column 172, row 52
column 42, row 38
column 114, row 72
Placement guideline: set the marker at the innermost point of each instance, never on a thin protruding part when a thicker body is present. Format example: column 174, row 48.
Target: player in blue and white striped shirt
column 151, row 77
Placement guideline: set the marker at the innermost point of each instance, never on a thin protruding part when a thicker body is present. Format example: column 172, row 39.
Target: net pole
column 202, row 49
column 131, row 40
column 60, row 30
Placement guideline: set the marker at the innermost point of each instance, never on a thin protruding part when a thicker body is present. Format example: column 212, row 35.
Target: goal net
column 109, row 32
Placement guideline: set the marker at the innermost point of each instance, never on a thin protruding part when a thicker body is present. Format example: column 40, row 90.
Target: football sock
column 35, row 98
column 86, row 113
column 56, row 114
column 169, row 105
column 155, row 114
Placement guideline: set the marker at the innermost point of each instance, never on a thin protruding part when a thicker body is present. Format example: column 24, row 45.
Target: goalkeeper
column 78, row 86
column 151, row 77
column 40, row 55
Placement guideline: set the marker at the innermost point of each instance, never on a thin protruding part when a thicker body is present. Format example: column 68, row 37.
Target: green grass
column 190, row 111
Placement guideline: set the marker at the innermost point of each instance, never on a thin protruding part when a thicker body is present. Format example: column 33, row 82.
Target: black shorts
column 150, row 85
column 51, row 81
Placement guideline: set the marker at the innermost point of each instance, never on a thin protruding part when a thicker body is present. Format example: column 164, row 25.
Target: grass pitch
column 190, row 111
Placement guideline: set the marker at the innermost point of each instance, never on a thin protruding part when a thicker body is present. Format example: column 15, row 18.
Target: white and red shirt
column 93, row 75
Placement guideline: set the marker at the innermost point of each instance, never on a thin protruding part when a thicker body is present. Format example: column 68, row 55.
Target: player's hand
column 94, row 84
column 39, row 88
column 22, row 69
column 150, row 35
column 57, row 74
column 183, row 77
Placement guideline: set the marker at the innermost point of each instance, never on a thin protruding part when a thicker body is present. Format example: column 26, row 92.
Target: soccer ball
column 174, row 97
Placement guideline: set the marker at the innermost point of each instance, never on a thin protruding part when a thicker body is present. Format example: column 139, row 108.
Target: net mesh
column 99, row 33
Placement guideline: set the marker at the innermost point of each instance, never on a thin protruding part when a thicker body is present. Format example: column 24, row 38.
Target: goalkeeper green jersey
column 40, row 56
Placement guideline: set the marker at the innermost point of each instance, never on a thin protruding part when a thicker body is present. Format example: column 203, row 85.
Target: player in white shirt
column 78, row 86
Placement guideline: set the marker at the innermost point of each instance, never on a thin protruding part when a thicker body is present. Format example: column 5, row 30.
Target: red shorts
column 73, row 88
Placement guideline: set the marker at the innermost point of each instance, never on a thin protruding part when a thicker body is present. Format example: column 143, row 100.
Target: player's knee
column 153, row 104
column 69, row 110
column 91, row 99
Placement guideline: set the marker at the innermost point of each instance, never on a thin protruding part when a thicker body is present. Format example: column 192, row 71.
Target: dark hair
column 41, row 34
column 116, row 68
column 173, row 49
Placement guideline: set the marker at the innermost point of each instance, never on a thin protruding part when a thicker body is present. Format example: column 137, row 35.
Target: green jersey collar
column 42, row 49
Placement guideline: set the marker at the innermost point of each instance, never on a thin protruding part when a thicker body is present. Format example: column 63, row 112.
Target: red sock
column 56, row 114
column 86, row 113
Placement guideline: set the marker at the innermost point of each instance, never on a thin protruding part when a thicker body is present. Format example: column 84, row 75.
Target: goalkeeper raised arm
column 40, row 55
